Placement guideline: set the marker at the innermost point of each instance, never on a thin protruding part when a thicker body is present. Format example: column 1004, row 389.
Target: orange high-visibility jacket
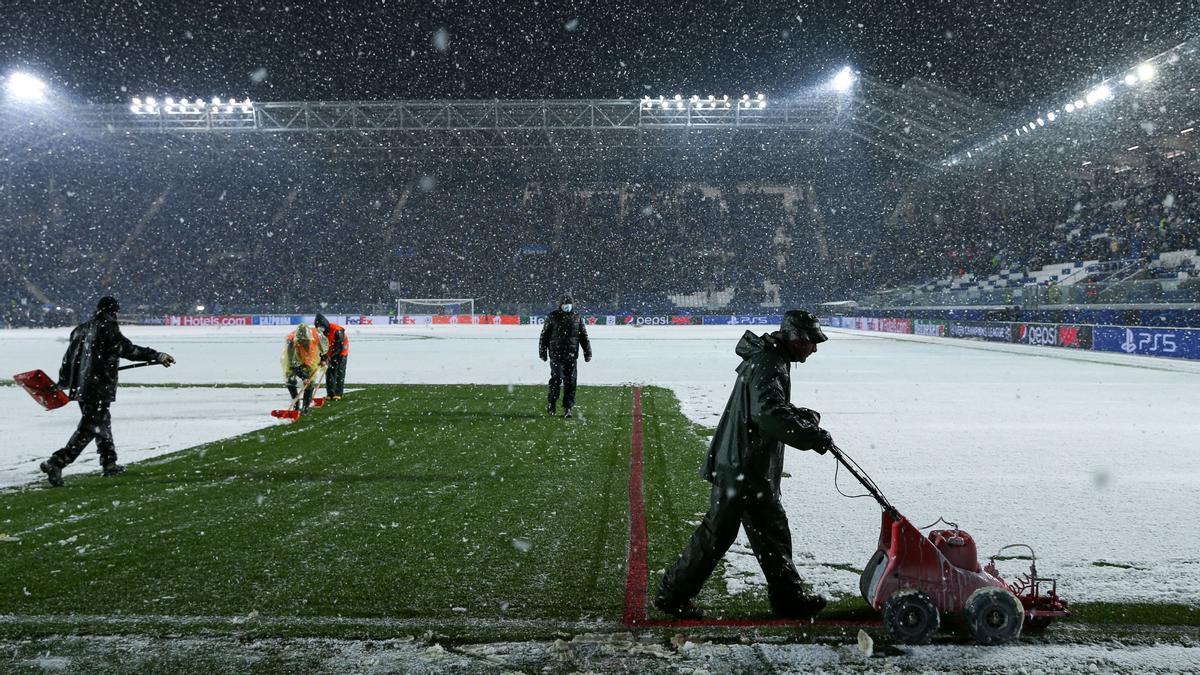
column 306, row 352
column 331, row 335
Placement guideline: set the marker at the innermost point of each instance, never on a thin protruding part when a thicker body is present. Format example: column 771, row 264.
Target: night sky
column 1007, row 53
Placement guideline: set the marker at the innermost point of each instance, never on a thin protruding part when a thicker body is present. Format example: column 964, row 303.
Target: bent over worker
column 303, row 351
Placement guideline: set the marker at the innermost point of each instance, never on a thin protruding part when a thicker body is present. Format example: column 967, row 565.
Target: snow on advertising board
column 742, row 320
column 992, row 332
column 929, row 328
column 277, row 319
column 1054, row 335
column 895, row 325
column 1177, row 343
column 206, row 320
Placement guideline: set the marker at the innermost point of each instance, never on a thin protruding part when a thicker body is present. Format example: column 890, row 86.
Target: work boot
column 800, row 606
column 567, row 412
column 551, row 409
column 679, row 610
column 53, row 473
column 112, row 469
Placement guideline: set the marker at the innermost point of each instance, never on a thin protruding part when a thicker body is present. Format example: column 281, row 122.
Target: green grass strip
column 464, row 510
column 421, row 501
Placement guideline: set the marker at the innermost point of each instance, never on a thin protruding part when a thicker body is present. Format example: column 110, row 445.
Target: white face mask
column 567, row 307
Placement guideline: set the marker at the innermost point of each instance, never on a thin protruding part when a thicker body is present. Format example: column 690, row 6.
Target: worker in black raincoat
column 89, row 376
column 745, row 466
column 562, row 336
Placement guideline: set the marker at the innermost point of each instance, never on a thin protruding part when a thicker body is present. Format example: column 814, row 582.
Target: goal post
column 407, row 306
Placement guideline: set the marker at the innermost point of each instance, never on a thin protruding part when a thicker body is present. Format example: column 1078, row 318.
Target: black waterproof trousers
column 96, row 424
column 335, row 376
column 562, row 375
column 767, row 529
column 293, row 385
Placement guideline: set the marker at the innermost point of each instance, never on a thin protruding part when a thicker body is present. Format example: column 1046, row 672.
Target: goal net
column 459, row 306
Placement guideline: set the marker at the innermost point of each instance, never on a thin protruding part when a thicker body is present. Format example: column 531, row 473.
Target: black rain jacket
column 746, row 453
column 562, row 336
column 89, row 368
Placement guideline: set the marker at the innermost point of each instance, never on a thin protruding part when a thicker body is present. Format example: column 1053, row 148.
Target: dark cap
column 566, row 299
column 799, row 324
column 108, row 304
column 320, row 321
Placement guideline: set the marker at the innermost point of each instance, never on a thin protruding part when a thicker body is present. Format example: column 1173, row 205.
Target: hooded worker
column 89, row 375
column 339, row 352
column 303, row 351
column 745, row 466
column 562, row 336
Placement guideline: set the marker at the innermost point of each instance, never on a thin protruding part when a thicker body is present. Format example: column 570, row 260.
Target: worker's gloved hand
column 587, row 357
column 824, row 442
column 542, row 355
column 301, row 372
column 809, row 414
column 164, row 359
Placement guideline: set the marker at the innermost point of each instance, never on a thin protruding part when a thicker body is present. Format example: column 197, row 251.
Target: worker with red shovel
column 303, row 351
column 89, row 375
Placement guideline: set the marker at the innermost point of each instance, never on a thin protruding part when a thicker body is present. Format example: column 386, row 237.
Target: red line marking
column 637, row 572
column 748, row 622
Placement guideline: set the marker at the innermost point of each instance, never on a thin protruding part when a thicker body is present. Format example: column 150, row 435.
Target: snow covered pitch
column 1090, row 459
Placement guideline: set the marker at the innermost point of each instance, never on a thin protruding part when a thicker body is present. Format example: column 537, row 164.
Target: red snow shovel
column 47, row 392
column 291, row 413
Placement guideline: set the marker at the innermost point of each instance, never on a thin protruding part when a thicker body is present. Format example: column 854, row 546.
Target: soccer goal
column 460, row 306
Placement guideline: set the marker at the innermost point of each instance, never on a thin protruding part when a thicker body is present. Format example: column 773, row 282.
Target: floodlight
column 1145, row 71
column 761, row 96
column 1070, row 107
column 745, row 97
column 1050, row 116
column 137, row 101
column 216, row 100
column 1079, row 104
column 150, row 100
column 678, row 97
column 1041, row 122
column 843, row 80
column 25, row 87
column 1130, row 79
column 1099, row 94
column 199, row 308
